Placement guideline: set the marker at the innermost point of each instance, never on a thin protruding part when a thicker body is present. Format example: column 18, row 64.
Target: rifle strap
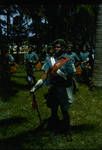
column 57, row 65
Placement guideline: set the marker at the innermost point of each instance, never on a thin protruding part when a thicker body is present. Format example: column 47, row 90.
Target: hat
column 60, row 41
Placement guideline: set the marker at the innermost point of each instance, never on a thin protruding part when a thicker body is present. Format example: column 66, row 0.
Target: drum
column 38, row 66
column 78, row 70
column 13, row 68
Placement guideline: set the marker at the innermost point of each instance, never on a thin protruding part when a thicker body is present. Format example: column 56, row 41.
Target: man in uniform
column 6, row 60
column 58, row 74
column 30, row 59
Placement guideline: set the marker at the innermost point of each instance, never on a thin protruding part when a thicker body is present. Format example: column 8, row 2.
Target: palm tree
column 85, row 21
column 97, row 74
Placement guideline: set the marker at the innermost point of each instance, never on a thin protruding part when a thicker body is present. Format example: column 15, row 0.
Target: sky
column 26, row 22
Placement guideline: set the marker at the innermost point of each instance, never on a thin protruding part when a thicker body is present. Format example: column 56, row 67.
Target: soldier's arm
column 39, row 83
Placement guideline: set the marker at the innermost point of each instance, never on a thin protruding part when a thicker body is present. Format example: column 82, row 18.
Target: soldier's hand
column 32, row 90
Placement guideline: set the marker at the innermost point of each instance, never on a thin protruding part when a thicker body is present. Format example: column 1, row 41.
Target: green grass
column 19, row 123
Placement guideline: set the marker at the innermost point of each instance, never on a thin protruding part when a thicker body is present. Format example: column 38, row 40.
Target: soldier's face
column 57, row 48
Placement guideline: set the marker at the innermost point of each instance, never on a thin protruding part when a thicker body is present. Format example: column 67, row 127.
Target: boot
column 53, row 122
column 66, row 122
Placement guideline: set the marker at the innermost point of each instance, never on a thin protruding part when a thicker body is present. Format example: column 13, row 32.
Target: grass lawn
column 19, row 123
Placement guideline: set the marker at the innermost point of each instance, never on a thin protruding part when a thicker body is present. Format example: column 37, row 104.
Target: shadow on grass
column 10, row 90
column 19, row 76
column 82, row 128
column 34, row 138
column 11, row 121
column 19, row 86
column 6, row 93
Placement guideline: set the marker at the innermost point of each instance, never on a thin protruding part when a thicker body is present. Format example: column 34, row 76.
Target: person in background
column 30, row 60
column 86, row 67
column 76, row 60
column 49, row 53
column 6, row 60
column 58, row 73
column 72, row 54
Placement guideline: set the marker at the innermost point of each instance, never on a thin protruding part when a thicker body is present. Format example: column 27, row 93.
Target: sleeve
column 46, row 66
column 34, row 57
column 76, row 57
column 25, row 57
column 70, row 68
column 11, row 58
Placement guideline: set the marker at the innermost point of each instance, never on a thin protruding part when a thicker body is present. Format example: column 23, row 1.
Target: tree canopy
column 43, row 23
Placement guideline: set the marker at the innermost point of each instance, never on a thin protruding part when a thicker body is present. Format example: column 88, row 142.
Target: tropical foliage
column 47, row 22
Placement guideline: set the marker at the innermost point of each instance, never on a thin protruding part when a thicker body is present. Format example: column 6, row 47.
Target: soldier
column 30, row 59
column 74, row 57
column 58, row 74
column 6, row 60
column 86, row 67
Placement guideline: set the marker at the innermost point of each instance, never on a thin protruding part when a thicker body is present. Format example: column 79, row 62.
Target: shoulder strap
column 59, row 64
column 52, row 59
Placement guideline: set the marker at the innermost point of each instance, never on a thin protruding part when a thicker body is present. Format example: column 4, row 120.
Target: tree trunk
column 97, row 74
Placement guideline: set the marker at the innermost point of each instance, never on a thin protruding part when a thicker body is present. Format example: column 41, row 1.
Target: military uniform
column 60, row 91
column 6, row 60
column 86, row 69
column 30, row 59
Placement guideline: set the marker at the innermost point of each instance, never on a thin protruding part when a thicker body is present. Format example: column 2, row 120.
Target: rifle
column 35, row 106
